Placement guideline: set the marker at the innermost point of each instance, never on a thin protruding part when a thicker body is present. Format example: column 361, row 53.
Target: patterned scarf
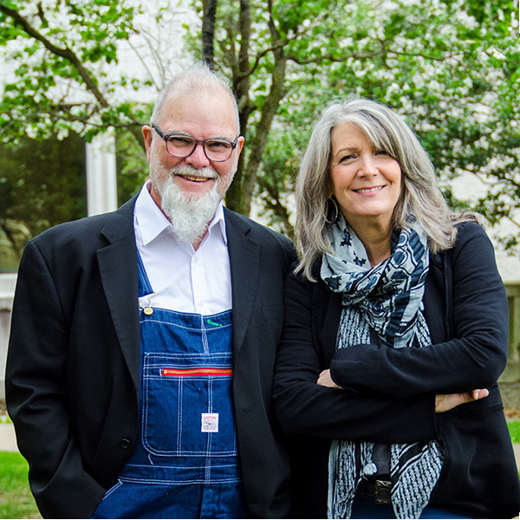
column 388, row 299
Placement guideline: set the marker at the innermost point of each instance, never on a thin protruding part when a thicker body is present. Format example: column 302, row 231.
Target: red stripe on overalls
column 187, row 372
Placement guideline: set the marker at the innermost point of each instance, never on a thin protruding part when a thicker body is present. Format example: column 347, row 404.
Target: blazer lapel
column 118, row 269
column 244, row 257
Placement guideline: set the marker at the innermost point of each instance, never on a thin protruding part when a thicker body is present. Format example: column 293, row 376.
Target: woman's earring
column 332, row 213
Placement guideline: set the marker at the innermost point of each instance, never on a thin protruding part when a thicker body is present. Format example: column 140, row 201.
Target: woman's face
column 365, row 181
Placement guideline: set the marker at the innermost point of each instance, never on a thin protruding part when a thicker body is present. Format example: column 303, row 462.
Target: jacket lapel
column 118, row 270
column 244, row 257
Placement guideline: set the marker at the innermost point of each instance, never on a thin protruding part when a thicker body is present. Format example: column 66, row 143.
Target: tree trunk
column 241, row 73
column 272, row 102
column 208, row 32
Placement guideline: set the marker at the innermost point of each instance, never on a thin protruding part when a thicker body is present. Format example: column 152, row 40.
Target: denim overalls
column 185, row 463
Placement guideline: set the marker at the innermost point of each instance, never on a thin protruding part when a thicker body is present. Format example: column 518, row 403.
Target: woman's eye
column 382, row 152
column 346, row 158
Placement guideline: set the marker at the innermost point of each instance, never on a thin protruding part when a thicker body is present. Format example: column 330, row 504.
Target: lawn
column 16, row 500
column 514, row 431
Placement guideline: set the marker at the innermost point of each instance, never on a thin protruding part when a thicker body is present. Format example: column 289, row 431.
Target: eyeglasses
column 179, row 145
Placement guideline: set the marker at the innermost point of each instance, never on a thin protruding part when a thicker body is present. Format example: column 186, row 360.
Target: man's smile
column 195, row 179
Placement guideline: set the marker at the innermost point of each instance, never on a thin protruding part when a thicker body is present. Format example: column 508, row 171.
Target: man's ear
column 240, row 144
column 147, row 136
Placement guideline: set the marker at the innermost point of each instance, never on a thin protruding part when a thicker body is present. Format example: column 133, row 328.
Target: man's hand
column 326, row 380
column 445, row 402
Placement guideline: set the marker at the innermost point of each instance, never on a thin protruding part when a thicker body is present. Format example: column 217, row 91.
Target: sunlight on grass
column 514, row 431
column 16, row 500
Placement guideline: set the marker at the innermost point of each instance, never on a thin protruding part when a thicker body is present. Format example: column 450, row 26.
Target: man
column 143, row 341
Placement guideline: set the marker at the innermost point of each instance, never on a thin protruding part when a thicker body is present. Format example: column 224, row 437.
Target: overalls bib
column 185, row 463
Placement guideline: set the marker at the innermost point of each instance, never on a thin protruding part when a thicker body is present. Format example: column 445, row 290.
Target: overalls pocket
column 187, row 405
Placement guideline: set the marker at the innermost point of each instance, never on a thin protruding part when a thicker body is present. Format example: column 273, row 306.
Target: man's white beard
column 189, row 215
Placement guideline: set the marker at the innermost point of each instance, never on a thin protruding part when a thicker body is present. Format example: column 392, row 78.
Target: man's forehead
column 215, row 108
column 189, row 97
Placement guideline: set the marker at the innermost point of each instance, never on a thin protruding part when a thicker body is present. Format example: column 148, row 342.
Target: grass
column 514, row 431
column 16, row 500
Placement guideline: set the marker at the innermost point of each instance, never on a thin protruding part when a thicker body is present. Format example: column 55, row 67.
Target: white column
column 101, row 174
column 7, row 283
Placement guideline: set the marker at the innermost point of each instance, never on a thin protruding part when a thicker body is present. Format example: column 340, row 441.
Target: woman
column 396, row 302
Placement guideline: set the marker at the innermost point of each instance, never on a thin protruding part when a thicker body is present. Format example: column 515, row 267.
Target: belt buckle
column 382, row 490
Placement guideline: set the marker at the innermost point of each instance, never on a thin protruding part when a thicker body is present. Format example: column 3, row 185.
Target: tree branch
column 66, row 53
column 69, row 55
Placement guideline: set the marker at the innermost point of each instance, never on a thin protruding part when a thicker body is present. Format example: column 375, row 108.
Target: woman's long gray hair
column 387, row 131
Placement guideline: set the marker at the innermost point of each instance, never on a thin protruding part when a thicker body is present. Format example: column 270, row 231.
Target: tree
column 208, row 32
column 41, row 184
column 63, row 69
column 450, row 66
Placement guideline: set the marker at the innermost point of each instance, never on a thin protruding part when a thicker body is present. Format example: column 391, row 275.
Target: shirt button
column 125, row 443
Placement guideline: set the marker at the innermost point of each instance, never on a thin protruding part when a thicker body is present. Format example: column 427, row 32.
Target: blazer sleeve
column 474, row 358
column 305, row 408
column 36, row 395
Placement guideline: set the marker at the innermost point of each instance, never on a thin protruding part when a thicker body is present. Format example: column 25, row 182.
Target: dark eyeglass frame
column 196, row 142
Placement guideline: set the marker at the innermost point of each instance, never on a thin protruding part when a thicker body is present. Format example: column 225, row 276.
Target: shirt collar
column 152, row 221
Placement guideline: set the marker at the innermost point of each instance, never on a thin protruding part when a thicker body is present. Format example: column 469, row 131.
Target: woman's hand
column 445, row 402
column 326, row 380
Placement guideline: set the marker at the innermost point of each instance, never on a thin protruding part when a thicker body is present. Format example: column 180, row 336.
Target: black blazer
column 388, row 394
column 73, row 369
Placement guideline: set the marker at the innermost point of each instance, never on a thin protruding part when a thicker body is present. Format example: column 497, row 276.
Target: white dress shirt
column 184, row 280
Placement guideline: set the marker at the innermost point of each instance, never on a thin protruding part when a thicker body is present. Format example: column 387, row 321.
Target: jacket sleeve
column 37, row 397
column 305, row 408
column 474, row 358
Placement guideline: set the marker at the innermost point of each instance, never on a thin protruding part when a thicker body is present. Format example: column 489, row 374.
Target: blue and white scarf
column 388, row 299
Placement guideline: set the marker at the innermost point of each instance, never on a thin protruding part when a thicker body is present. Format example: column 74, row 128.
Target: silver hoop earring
column 332, row 212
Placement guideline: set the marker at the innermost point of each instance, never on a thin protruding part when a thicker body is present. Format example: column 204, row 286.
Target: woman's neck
column 377, row 241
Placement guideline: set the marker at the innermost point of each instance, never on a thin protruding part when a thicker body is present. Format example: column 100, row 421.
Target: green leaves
column 58, row 55
column 450, row 67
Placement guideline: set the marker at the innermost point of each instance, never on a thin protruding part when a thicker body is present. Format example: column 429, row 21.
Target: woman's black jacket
column 388, row 394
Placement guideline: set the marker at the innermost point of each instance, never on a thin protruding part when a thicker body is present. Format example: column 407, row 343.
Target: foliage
column 16, row 500
column 41, row 184
column 514, row 431
column 62, row 57
column 451, row 67
column 132, row 168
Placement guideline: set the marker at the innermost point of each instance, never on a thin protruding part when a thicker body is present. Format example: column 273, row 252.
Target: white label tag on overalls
column 209, row 422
